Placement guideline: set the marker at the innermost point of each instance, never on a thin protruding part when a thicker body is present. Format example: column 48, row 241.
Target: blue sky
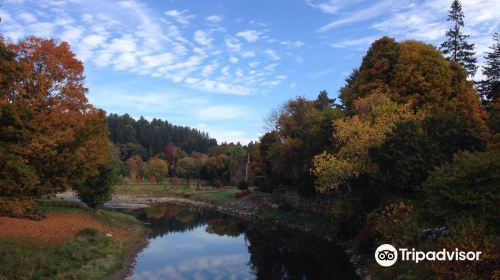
column 223, row 65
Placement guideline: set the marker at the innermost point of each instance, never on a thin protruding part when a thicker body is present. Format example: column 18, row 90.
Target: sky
column 223, row 65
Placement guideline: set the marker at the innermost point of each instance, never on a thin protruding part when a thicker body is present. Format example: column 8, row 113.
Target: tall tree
column 66, row 138
column 490, row 87
column 456, row 47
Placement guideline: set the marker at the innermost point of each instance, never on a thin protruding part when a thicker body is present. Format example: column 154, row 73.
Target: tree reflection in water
column 274, row 253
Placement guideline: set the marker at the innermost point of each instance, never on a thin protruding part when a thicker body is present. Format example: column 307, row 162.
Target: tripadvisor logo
column 387, row 255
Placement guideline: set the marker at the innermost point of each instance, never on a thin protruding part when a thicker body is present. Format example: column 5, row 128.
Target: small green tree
column 156, row 167
column 96, row 190
column 188, row 168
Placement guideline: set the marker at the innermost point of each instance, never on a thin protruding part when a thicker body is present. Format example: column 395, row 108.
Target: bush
column 242, row 185
column 467, row 235
column 96, row 190
column 469, row 186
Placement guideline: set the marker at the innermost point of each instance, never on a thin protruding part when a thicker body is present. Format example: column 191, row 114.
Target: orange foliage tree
column 64, row 137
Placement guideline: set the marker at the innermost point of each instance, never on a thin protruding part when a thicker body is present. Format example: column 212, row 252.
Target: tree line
column 149, row 138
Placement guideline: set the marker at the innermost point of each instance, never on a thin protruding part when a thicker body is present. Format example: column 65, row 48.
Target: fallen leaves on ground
column 55, row 229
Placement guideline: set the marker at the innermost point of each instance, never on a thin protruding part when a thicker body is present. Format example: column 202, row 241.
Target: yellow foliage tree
column 375, row 116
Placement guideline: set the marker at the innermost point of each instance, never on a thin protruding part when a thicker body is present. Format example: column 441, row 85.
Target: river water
column 190, row 243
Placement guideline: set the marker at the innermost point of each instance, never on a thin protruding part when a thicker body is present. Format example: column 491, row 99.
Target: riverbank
column 71, row 242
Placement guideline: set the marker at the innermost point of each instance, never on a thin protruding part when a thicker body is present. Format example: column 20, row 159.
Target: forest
column 409, row 149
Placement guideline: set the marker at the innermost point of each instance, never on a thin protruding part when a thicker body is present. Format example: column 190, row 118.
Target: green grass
column 183, row 190
column 223, row 195
column 158, row 189
column 87, row 256
column 84, row 257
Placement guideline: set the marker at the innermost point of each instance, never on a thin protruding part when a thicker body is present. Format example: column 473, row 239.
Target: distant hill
column 151, row 137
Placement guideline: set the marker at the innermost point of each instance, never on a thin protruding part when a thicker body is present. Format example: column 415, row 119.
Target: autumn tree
column 156, row 167
column 396, row 82
column 134, row 165
column 376, row 70
column 374, row 117
column 67, row 139
column 172, row 154
column 304, row 130
column 456, row 47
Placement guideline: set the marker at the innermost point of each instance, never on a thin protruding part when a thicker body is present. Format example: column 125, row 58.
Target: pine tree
column 456, row 47
column 490, row 87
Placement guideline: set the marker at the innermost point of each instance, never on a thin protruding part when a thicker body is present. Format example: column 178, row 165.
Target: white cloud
column 295, row 44
column 232, row 44
column 213, row 18
column 209, row 69
column 27, row 17
column 41, row 29
column 371, row 12
column 180, row 16
column 202, row 38
column 272, row 54
column 329, row 7
column 247, row 54
column 359, row 42
column 249, row 35
column 220, row 87
column 233, row 59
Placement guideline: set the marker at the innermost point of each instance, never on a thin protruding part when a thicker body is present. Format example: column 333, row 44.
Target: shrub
column 467, row 235
column 469, row 186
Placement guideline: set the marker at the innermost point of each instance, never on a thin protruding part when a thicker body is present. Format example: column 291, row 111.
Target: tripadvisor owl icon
column 386, row 255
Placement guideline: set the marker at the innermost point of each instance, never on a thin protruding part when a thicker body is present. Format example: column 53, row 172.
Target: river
column 193, row 243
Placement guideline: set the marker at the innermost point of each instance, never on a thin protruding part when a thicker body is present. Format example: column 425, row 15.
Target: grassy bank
column 204, row 193
column 71, row 243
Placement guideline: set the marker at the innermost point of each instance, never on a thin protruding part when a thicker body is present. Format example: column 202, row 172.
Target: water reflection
column 190, row 243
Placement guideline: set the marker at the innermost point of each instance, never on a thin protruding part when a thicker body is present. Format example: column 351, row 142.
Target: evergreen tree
column 490, row 87
column 456, row 47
